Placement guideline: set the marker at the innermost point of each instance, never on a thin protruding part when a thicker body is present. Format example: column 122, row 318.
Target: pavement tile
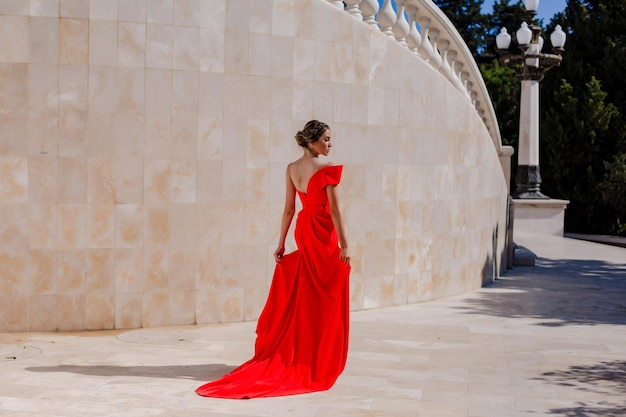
column 541, row 341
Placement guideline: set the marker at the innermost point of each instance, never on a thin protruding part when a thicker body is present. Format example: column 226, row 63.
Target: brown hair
column 312, row 131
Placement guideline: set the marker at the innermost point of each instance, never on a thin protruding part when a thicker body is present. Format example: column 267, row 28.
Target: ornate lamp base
column 528, row 183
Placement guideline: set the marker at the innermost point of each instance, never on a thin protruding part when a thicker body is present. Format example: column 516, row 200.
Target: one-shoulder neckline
column 313, row 175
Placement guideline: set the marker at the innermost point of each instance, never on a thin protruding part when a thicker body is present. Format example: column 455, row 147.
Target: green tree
column 582, row 123
column 613, row 189
column 468, row 20
column 574, row 143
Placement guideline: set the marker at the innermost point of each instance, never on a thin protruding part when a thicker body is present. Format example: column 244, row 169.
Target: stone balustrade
column 424, row 29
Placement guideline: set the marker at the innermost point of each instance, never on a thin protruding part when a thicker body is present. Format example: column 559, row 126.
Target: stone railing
column 426, row 31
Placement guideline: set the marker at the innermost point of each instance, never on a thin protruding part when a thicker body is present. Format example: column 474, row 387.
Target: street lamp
column 530, row 65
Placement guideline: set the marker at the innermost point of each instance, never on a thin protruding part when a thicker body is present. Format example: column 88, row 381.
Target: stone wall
column 143, row 147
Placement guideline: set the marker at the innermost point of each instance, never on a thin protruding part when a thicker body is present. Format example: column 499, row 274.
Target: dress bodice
column 315, row 197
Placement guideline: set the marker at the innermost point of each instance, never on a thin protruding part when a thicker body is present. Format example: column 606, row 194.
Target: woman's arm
column 288, row 212
column 335, row 212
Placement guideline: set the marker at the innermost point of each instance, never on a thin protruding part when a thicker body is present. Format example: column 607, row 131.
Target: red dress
column 302, row 333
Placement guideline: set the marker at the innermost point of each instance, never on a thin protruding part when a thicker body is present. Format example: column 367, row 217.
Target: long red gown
column 302, row 333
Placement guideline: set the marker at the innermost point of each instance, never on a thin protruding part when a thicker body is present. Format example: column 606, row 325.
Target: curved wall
column 143, row 148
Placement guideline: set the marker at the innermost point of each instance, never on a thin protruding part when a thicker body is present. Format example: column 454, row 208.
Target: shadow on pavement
column 202, row 373
column 561, row 292
column 606, row 378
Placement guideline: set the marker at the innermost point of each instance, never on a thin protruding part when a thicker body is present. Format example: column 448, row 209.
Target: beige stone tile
column 209, row 180
column 100, row 311
column 129, row 270
column 72, row 271
column 232, row 270
column 184, row 137
column 131, row 48
column 42, row 220
column 14, row 83
column 210, row 138
column 43, row 86
column 183, row 181
column 236, row 53
column 42, row 313
column 14, row 32
column 155, row 308
column 13, row 312
column 185, row 48
column 74, row 8
column 14, row 7
column 42, row 180
column 42, row 273
column 303, row 99
column 72, row 225
column 42, row 131
column 128, row 314
column 129, row 181
column 185, row 91
column 260, row 54
column 101, row 225
column 101, row 181
column 128, row 225
column 182, row 307
column 182, row 225
column 211, row 50
column 129, row 135
column 208, row 224
column 208, row 268
column 157, row 143
column 160, row 11
column 158, row 91
column 157, row 179
column 14, row 180
column 282, row 57
column 219, row 305
column 15, row 267
column 211, row 94
column 159, row 41
column 100, row 271
column 157, row 232
column 102, row 88
column 71, row 312
column 44, row 39
column 14, row 227
column 73, row 133
column 103, row 40
column 103, row 9
column 73, row 41
column 131, row 11
column 73, row 87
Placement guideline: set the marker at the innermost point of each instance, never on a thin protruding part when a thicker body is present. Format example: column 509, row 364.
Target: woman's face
column 322, row 145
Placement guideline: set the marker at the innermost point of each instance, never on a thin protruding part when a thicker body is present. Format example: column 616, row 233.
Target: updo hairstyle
column 312, row 131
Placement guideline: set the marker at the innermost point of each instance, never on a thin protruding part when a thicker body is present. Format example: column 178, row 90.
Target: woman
column 302, row 333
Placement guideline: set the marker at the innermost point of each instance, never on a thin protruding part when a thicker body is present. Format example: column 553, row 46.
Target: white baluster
column 464, row 77
column 435, row 58
column 445, row 69
column 352, row 7
column 401, row 27
column 337, row 3
column 453, row 75
column 426, row 48
column 386, row 18
column 369, row 8
column 414, row 39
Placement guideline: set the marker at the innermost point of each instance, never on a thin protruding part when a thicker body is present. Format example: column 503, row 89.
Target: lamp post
column 530, row 65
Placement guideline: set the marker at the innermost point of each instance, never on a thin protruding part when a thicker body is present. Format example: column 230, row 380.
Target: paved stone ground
column 548, row 340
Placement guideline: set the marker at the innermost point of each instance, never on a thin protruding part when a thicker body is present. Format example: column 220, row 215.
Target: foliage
column 469, row 21
column 583, row 103
column 613, row 189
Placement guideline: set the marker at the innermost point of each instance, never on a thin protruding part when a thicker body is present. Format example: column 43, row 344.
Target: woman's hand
column 344, row 255
column 278, row 253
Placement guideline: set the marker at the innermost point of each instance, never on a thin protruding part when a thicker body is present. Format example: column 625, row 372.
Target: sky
column 547, row 8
